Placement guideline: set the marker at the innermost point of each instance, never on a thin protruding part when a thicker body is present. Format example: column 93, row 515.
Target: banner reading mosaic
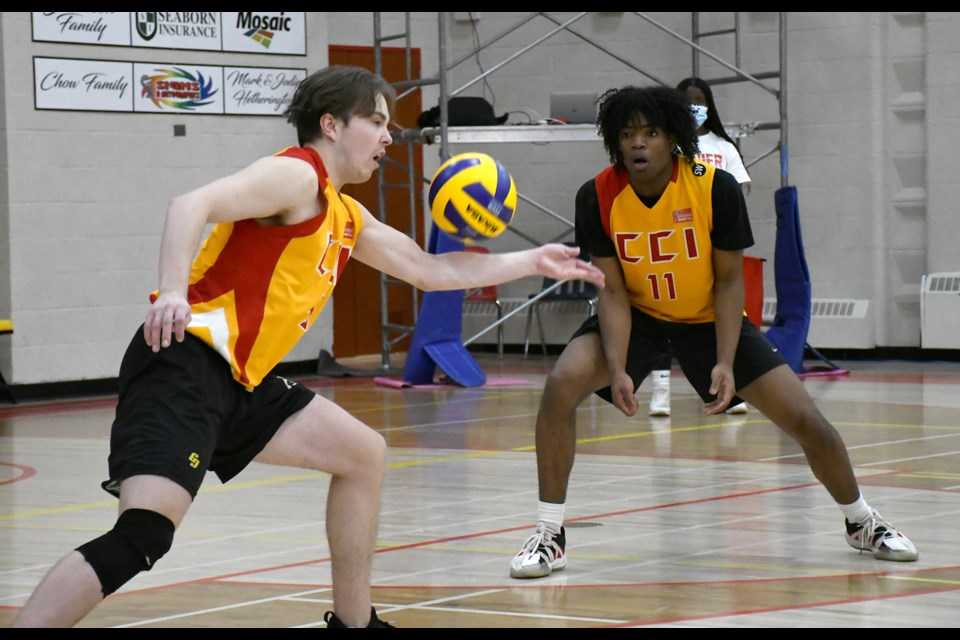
column 84, row 27
column 282, row 32
column 82, row 85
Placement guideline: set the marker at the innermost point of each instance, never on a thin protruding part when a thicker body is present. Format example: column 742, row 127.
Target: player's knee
column 138, row 539
column 564, row 390
column 379, row 452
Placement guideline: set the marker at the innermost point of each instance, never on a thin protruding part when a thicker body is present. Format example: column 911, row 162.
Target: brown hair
column 340, row 90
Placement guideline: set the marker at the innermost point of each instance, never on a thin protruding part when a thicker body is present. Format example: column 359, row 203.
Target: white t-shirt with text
column 720, row 153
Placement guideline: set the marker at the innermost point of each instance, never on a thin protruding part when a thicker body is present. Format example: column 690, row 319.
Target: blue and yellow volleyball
column 472, row 197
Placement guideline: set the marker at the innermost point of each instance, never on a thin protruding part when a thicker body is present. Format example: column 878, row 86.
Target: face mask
column 699, row 114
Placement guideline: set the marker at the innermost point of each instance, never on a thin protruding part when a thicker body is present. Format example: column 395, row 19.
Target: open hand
column 560, row 262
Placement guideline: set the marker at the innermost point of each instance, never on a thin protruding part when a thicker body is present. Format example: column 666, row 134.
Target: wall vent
column 939, row 310
column 823, row 308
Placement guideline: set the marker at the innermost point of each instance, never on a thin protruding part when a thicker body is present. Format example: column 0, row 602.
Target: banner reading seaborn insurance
column 176, row 29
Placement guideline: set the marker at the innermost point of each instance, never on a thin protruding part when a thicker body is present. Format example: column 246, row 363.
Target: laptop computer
column 574, row 107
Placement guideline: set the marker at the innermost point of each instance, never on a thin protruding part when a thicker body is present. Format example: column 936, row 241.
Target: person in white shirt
column 718, row 149
column 716, row 146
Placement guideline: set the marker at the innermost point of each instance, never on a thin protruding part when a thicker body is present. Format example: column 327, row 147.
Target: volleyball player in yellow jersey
column 196, row 392
column 668, row 231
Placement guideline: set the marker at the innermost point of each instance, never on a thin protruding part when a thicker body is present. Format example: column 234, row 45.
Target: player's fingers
column 151, row 330
column 166, row 328
column 180, row 321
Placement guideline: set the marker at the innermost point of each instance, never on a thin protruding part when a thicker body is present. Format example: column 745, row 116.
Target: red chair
column 753, row 289
column 489, row 295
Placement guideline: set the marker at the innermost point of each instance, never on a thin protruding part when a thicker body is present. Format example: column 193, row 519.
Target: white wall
column 87, row 195
column 872, row 129
column 870, row 99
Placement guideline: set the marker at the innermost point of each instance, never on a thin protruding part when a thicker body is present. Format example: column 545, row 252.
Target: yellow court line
column 929, row 580
column 642, row 434
column 411, row 463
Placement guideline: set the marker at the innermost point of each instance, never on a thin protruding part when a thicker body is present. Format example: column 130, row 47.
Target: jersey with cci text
column 665, row 244
column 256, row 289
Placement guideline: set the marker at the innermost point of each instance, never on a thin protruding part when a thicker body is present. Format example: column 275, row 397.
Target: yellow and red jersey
column 665, row 244
column 255, row 289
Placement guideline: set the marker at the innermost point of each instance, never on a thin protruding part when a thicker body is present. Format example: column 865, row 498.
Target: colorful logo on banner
column 262, row 36
column 177, row 89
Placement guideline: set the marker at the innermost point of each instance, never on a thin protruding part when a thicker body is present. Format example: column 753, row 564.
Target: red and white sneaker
column 881, row 538
column 541, row 554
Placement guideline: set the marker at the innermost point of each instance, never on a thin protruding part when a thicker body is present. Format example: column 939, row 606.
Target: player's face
column 365, row 140
column 647, row 153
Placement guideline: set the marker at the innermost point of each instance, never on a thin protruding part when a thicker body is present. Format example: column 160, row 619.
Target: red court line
column 26, row 472
column 809, row 605
column 482, row 534
column 325, row 382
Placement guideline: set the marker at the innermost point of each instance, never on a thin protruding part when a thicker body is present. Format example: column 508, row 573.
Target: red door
column 356, row 300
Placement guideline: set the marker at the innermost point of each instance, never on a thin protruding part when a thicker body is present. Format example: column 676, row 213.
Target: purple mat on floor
column 810, row 372
column 491, row 382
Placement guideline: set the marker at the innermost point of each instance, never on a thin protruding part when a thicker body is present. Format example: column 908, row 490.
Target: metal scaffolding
column 445, row 135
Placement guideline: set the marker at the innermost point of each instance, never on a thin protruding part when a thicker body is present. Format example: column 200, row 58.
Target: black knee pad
column 135, row 543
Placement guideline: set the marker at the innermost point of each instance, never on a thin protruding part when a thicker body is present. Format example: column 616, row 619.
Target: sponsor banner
column 84, row 27
column 171, row 88
column 82, row 85
column 176, row 29
column 69, row 84
column 271, row 32
column 280, row 32
column 258, row 91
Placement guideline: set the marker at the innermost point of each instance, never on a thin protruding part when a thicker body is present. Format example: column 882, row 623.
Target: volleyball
column 472, row 197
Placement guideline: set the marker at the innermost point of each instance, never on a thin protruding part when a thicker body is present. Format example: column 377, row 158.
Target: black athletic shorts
column 695, row 347
column 181, row 412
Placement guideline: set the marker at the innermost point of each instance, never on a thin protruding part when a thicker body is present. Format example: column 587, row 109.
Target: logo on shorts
column 194, row 460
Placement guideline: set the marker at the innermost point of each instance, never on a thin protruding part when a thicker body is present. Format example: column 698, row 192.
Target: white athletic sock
column 551, row 515
column 857, row 511
column 661, row 377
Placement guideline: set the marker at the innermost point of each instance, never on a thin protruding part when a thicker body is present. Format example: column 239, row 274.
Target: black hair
column 713, row 123
column 340, row 90
column 663, row 107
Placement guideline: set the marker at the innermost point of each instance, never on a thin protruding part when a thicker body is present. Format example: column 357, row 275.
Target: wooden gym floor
column 687, row 521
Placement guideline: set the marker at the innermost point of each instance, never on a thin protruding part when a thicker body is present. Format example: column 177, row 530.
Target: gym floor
column 686, row 521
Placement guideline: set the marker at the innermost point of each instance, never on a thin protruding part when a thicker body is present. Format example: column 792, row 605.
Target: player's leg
column 324, row 437
column 157, row 428
column 781, row 396
column 765, row 380
column 151, row 507
column 580, row 371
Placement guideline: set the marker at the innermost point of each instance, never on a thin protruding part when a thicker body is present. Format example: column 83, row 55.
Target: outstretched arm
column 386, row 249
